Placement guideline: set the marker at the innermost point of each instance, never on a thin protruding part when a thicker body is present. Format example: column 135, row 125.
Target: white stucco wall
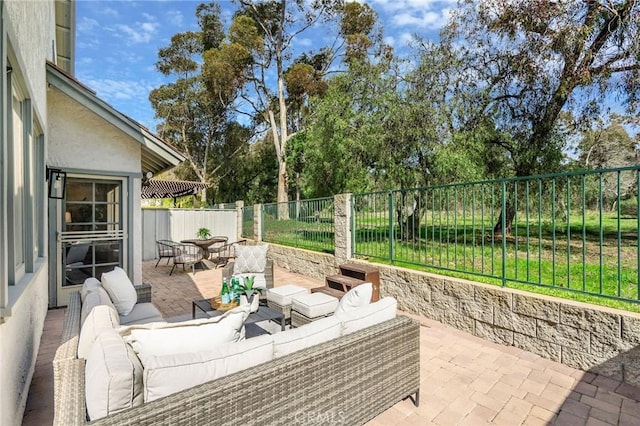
column 30, row 31
column 80, row 139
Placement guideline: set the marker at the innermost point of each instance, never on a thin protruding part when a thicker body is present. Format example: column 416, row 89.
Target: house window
column 18, row 151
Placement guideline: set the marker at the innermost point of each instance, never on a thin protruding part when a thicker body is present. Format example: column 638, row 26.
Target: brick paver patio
column 464, row 380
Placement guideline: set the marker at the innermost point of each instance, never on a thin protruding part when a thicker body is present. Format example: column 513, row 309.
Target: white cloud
column 111, row 12
column 431, row 20
column 119, row 90
column 144, row 32
column 175, row 17
column 148, row 16
column 86, row 25
column 391, row 41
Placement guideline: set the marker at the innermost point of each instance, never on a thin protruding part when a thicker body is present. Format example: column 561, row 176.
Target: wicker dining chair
column 165, row 250
column 186, row 254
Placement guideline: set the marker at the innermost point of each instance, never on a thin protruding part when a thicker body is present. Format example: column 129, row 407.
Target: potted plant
column 203, row 233
column 250, row 292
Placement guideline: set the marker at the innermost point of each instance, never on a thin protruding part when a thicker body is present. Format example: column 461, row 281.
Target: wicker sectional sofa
column 348, row 380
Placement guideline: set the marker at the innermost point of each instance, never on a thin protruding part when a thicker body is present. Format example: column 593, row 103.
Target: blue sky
column 117, row 42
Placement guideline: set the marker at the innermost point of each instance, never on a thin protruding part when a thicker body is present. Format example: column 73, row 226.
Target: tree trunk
column 283, row 197
column 511, row 214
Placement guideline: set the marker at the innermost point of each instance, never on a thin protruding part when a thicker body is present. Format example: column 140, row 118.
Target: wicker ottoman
column 311, row 307
column 279, row 298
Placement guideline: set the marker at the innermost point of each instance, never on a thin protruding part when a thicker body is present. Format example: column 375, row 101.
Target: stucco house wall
column 83, row 142
column 30, row 32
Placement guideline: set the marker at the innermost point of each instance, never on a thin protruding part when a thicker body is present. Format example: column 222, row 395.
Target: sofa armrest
column 144, row 292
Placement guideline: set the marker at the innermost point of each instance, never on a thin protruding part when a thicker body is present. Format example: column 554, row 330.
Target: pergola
column 154, row 188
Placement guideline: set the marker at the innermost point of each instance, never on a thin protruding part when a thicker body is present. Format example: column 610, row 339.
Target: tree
column 527, row 61
column 257, row 59
column 194, row 120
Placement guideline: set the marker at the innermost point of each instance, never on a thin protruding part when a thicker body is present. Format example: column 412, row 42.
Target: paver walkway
column 464, row 380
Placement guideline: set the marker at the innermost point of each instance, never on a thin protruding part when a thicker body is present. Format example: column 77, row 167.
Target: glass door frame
column 92, row 237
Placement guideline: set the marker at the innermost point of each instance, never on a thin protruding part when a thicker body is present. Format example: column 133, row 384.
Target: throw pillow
column 358, row 296
column 205, row 336
column 250, row 259
column 120, row 289
column 113, row 376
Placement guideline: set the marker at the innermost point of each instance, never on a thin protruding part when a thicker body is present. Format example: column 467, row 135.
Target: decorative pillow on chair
column 358, row 296
column 250, row 259
column 120, row 289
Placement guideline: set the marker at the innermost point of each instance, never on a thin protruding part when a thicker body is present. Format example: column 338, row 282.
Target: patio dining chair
column 165, row 250
column 186, row 255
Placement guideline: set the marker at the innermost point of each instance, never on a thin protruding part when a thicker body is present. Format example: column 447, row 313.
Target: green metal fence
column 247, row 222
column 573, row 231
column 306, row 224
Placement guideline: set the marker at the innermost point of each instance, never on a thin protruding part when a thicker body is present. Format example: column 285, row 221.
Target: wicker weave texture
column 144, row 293
column 348, row 380
column 284, row 310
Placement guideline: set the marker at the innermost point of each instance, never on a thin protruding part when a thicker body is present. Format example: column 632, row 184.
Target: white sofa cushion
column 314, row 304
column 250, row 259
column 167, row 374
column 120, row 289
column 90, row 284
column 195, row 337
column 366, row 316
column 113, row 376
column 101, row 318
column 142, row 313
column 357, row 297
column 95, row 298
column 307, row 335
column 282, row 294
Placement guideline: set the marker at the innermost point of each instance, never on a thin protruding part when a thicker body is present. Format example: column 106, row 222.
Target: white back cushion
column 101, row 318
column 113, row 376
column 366, row 316
column 167, row 374
column 120, row 289
column 204, row 336
column 357, row 297
column 250, row 259
column 90, row 284
column 95, row 298
column 310, row 334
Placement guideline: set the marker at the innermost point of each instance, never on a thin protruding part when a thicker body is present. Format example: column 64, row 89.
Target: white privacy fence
column 182, row 224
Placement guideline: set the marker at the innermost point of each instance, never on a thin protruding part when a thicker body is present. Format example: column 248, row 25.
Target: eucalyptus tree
column 257, row 58
column 526, row 62
column 191, row 118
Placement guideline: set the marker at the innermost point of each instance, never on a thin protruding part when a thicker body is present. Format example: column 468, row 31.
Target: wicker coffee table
column 264, row 313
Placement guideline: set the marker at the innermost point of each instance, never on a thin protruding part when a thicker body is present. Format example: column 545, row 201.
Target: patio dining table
column 204, row 244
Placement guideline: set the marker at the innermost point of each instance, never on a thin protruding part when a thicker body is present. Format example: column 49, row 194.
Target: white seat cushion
column 113, row 376
column 374, row 313
column 307, row 335
column 204, row 336
column 142, row 313
column 357, row 297
column 101, row 318
column 167, row 374
column 314, row 304
column 282, row 295
column 250, row 259
column 120, row 289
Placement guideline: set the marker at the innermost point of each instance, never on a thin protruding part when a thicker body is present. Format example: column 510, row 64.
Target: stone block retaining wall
column 591, row 338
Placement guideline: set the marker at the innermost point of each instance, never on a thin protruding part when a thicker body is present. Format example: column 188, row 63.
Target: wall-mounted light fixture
column 57, row 183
